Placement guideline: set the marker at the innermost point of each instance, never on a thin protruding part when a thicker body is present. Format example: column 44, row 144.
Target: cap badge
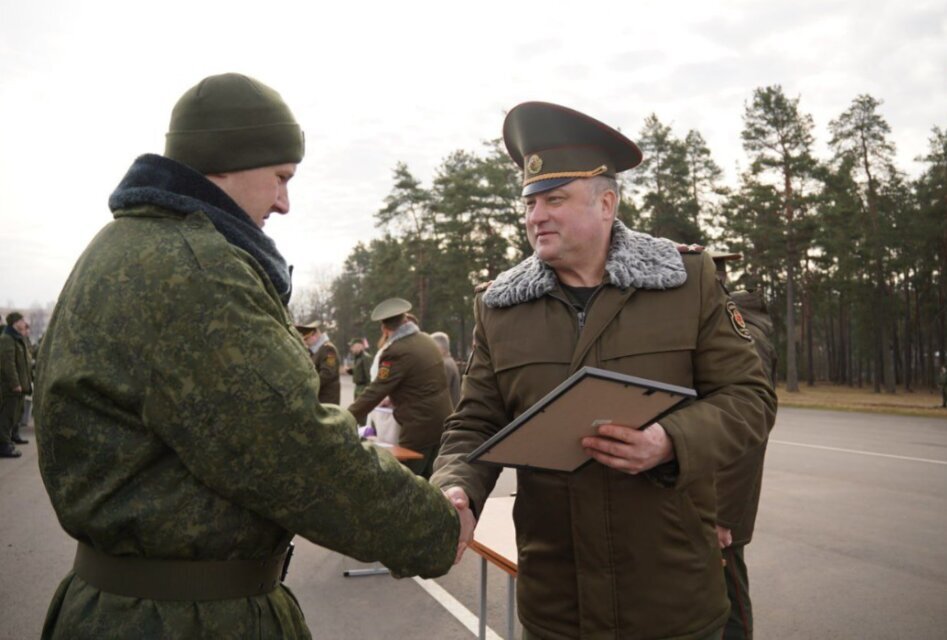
column 534, row 165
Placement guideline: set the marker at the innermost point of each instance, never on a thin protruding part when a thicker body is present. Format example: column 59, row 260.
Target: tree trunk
column 792, row 373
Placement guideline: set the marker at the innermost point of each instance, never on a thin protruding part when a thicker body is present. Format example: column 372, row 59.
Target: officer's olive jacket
column 15, row 365
column 739, row 484
column 411, row 372
column 326, row 361
column 604, row 554
column 177, row 417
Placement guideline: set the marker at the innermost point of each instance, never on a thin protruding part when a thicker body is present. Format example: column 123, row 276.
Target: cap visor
column 544, row 185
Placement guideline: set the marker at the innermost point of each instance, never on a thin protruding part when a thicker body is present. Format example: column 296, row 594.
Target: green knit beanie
column 231, row 122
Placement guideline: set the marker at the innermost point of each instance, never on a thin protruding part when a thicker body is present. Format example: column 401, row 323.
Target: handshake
column 458, row 498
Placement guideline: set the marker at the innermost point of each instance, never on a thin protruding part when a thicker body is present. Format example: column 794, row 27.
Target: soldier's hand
column 630, row 450
column 458, row 498
column 724, row 537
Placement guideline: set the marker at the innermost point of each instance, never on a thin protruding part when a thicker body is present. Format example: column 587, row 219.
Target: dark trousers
column 740, row 623
column 10, row 409
column 425, row 466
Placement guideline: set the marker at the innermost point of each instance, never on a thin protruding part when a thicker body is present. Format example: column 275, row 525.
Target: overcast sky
column 85, row 87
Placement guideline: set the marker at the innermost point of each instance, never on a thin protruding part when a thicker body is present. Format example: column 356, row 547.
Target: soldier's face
column 569, row 227
column 259, row 191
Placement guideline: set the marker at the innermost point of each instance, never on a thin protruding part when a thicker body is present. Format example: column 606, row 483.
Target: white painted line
column 864, row 453
column 454, row 607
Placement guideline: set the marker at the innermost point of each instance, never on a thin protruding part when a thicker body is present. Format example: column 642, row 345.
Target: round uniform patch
column 534, row 165
column 736, row 319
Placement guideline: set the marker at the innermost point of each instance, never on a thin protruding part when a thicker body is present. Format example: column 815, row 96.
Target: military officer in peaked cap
column 624, row 547
column 411, row 373
column 740, row 483
column 325, row 357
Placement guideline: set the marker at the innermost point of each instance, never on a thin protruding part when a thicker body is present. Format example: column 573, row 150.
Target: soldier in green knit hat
column 177, row 410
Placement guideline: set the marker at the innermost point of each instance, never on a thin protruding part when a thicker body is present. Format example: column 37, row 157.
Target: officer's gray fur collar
column 405, row 330
column 634, row 260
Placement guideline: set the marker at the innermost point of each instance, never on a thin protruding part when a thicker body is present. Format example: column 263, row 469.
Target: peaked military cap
column 390, row 308
column 720, row 258
column 554, row 145
column 306, row 328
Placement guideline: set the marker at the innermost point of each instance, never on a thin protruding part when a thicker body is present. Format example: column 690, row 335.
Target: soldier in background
column 16, row 381
column 180, row 435
column 325, row 357
column 361, row 369
column 739, row 485
column 450, row 367
column 411, row 373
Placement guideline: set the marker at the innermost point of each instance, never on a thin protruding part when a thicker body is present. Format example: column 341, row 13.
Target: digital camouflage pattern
column 177, row 417
column 361, row 372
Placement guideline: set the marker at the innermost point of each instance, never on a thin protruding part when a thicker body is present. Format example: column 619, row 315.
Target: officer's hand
column 17, row 389
column 724, row 537
column 630, row 450
column 458, row 498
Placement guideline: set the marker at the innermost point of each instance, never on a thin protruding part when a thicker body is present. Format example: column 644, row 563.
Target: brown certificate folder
column 548, row 435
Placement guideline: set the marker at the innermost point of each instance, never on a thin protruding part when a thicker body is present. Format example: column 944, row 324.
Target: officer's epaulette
column 690, row 248
column 480, row 288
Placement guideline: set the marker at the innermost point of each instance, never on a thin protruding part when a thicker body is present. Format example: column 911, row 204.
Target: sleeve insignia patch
column 331, row 360
column 384, row 370
column 736, row 319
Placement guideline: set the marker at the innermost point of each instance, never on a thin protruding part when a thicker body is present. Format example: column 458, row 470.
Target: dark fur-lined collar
column 161, row 182
column 634, row 260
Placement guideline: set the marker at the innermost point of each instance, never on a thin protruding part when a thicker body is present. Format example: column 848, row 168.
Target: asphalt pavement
column 849, row 543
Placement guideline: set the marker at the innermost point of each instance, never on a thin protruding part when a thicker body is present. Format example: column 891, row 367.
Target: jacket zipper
column 581, row 315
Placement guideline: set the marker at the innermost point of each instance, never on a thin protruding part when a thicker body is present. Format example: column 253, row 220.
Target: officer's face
column 259, row 191
column 569, row 227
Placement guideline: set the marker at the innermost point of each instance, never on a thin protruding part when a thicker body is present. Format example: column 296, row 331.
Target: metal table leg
column 510, row 606
column 483, row 599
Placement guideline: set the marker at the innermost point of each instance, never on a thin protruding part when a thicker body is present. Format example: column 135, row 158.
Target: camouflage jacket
column 361, row 369
column 177, row 417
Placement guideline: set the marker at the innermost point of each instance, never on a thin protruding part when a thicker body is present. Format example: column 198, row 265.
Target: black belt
column 156, row 579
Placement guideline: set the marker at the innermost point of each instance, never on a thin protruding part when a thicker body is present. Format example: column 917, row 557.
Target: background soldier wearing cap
column 325, row 357
column 625, row 546
column 739, row 484
column 411, row 372
column 180, row 436
column 361, row 369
